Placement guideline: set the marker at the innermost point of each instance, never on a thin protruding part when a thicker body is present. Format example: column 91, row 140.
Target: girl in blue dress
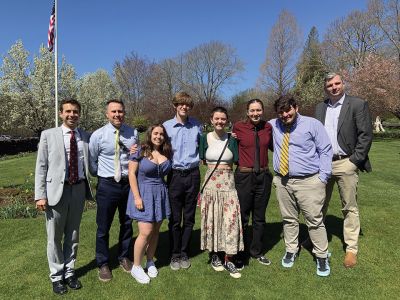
column 148, row 199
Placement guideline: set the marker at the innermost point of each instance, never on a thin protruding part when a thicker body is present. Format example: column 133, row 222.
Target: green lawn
column 24, row 269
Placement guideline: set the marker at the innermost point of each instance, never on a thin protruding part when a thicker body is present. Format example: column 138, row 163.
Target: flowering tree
column 377, row 80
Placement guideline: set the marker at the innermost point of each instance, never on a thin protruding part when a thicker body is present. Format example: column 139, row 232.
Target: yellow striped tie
column 117, row 162
column 284, row 159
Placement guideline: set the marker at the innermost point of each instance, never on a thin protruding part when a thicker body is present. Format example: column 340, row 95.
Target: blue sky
column 94, row 34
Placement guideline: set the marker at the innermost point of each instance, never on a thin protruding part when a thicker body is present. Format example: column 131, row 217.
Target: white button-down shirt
column 331, row 124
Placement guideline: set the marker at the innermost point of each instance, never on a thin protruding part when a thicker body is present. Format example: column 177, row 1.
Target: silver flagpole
column 56, row 63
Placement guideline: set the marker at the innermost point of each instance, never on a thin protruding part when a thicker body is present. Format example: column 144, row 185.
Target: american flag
column 50, row 33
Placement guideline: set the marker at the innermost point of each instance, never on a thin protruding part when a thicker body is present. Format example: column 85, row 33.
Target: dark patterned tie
column 257, row 151
column 73, row 159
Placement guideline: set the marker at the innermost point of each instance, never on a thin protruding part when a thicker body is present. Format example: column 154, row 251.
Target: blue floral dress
column 152, row 189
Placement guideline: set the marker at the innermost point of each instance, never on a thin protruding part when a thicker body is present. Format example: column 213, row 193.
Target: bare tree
column 350, row 39
column 386, row 14
column 278, row 70
column 206, row 68
column 131, row 78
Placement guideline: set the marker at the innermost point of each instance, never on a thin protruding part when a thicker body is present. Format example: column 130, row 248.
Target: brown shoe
column 105, row 273
column 350, row 260
column 126, row 264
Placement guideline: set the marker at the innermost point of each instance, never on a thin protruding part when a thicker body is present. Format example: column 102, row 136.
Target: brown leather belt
column 250, row 170
column 336, row 157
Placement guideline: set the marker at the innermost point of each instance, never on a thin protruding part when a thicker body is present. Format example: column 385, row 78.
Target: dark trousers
column 183, row 189
column 111, row 196
column 253, row 191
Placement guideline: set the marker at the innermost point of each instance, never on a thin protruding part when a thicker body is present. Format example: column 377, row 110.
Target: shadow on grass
column 274, row 232
column 163, row 252
column 272, row 235
column 113, row 264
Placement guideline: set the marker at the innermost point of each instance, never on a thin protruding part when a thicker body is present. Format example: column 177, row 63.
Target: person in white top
column 221, row 227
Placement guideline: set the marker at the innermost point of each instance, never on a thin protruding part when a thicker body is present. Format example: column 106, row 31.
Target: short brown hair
column 116, row 101
column 182, row 98
column 284, row 102
column 69, row 101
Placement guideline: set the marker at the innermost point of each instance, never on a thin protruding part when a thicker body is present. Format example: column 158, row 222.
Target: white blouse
column 215, row 146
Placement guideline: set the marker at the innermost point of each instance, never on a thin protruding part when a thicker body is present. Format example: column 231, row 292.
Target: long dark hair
column 148, row 147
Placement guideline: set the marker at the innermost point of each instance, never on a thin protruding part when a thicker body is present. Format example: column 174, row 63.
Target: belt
column 124, row 179
column 77, row 182
column 184, row 172
column 296, row 177
column 339, row 157
column 251, row 170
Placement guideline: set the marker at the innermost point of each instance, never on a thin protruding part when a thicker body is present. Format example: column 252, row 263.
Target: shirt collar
column 66, row 130
column 113, row 129
column 340, row 102
column 250, row 125
column 293, row 125
column 188, row 121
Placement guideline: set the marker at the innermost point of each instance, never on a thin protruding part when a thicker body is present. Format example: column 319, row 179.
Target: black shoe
column 59, row 287
column 73, row 282
column 239, row 263
column 263, row 260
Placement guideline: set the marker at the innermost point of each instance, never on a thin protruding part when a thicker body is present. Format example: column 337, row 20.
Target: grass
column 25, row 272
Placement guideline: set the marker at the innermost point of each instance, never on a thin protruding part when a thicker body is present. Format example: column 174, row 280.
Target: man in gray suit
column 61, row 186
column 348, row 123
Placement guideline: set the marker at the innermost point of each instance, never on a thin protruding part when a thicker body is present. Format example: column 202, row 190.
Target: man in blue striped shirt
column 302, row 163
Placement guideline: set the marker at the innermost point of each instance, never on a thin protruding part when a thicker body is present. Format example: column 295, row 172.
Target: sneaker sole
column 141, row 281
column 185, row 267
column 323, row 274
column 152, row 275
column 104, row 280
column 287, row 265
column 263, row 263
column 235, row 275
column 174, row 268
column 218, row 269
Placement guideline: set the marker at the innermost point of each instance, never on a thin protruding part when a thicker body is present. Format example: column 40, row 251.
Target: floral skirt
column 221, row 226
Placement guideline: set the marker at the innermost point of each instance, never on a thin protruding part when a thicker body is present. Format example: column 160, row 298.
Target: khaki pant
column 345, row 174
column 306, row 195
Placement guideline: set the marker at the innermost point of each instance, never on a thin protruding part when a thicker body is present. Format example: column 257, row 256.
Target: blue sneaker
column 288, row 259
column 323, row 268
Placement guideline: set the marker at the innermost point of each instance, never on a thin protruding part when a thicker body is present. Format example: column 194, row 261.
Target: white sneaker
column 151, row 269
column 138, row 273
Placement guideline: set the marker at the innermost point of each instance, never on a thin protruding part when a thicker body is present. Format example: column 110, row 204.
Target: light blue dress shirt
column 102, row 149
column 310, row 149
column 185, row 142
column 331, row 124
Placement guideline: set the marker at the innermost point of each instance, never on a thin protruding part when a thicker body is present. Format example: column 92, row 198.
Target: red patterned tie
column 73, row 159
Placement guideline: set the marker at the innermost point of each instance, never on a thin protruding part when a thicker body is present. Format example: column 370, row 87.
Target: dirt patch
column 7, row 195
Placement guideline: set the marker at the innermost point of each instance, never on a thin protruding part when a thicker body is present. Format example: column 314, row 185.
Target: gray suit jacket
column 354, row 129
column 51, row 165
